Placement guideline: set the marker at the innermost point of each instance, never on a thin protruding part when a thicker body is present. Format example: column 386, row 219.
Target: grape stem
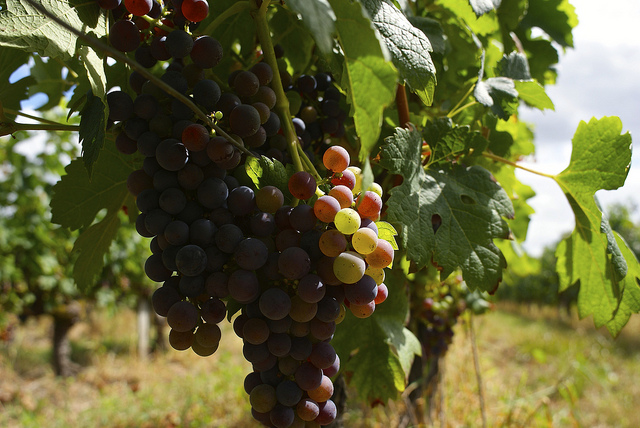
column 515, row 165
column 119, row 56
column 29, row 116
column 158, row 23
column 224, row 16
column 259, row 14
column 457, row 109
column 308, row 164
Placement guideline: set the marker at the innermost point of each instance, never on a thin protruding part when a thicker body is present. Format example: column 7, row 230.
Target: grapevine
column 306, row 171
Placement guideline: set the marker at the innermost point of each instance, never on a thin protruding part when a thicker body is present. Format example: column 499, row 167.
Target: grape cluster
column 293, row 270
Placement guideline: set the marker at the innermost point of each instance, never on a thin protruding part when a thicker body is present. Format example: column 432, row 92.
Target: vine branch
column 29, row 116
column 402, row 104
column 259, row 14
column 235, row 8
column 119, row 56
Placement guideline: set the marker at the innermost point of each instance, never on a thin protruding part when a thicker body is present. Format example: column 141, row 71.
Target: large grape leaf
column 77, row 199
column 368, row 77
column 557, row 18
column 22, row 26
column 319, row 18
column 448, row 216
column 379, row 345
column 408, row 45
column 590, row 255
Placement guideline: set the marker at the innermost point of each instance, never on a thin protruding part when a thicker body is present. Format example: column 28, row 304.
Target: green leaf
column 433, row 30
column 12, row 93
column 238, row 27
column 600, row 160
column 498, row 93
column 48, row 76
column 91, row 247
column 77, row 199
column 264, row 171
column 23, row 27
column 448, row 216
column 290, row 33
column 387, row 232
column 94, row 66
column 557, row 18
column 379, row 344
column 319, row 18
column 630, row 289
column 409, row 48
column 369, row 79
column 534, row 95
column 448, row 141
column 515, row 66
column 482, row 26
column 480, row 7
column 93, row 123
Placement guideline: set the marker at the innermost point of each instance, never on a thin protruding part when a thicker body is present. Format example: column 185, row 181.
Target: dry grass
column 537, row 370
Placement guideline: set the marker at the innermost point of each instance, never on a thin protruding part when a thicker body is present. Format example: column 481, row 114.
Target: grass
column 537, row 371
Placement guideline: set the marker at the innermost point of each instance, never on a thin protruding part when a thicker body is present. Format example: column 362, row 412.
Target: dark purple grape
column 206, row 52
column 171, row 154
column 191, row 260
column 120, row 106
column 124, row 36
column 244, row 120
column 275, row 304
column 207, row 93
column 179, row 44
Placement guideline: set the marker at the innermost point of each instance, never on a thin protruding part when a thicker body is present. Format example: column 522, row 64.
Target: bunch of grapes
column 438, row 309
column 292, row 269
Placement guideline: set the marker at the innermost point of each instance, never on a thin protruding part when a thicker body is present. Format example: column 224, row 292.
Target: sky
column 597, row 78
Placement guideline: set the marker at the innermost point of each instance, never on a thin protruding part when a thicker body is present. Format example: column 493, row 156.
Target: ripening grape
column 382, row 256
column 269, row 199
column 195, row 10
column 343, row 195
column 345, row 178
column 328, row 412
column 326, row 208
column 349, row 267
column 263, row 398
column 336, row 159
column 138, row 7
column 357, row 174
column 376, row 188
column 308, row 409
column 383, row 293
column 347, row 221
column 323, row 392
column 195, row 137
column 363, row 311
column 332, row 243
column 369, row 204
column 302, row 185
column 376, row 273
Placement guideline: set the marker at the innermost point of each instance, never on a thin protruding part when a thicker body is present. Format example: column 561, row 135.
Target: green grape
column 376, row 273
column 347, row 221
column 349, row 267
column 364, row 240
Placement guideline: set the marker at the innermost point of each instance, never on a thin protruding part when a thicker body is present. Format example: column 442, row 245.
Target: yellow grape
column 376, row 273
column 358, row 173
column 363, row 311
column 349, row 267
column 364, row 240
column 376, row 188
column 347, row 221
